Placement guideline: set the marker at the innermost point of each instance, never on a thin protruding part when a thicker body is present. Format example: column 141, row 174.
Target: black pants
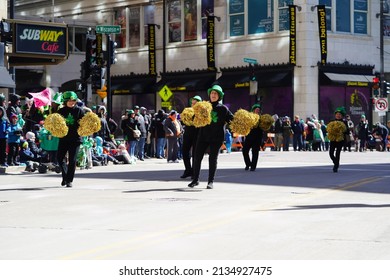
column 188, row 143
column 13, row 151
column 3, row 149
column 200, row 150
column 68, row 169
column 255, row 146
column 334, row 152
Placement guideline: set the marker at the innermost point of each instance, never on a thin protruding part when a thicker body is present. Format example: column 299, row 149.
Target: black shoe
column 193, row 184
column 210, row 185
column 63, row 183
column 185, row 175
column 253, row 168
column 69, row 185
column 141, row 159
column 335, row 168
column 247, row 167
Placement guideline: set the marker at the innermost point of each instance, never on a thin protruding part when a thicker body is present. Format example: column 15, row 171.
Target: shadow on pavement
column 352, row 177
column 330, row 206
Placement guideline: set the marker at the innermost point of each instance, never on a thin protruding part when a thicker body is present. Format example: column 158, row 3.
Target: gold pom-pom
column 336, row 130
column 89, row 124
column 202, row 113
column 187, row 116
column 56, row 125
column 266, row 121
column 243, row 121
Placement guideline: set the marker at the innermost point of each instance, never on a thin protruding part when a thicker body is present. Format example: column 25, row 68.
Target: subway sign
column 44, row 43
column 41, row 39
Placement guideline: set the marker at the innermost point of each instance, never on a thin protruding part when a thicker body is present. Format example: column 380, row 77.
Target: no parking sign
column 381, row 105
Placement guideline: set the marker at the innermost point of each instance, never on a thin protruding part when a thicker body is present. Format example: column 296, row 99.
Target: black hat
column 13, row 98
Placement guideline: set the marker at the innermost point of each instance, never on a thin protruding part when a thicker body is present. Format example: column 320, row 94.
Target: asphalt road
column 293, row 207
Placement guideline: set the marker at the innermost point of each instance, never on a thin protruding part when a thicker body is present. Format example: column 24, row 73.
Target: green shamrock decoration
column 214, row 116
column 69, row 119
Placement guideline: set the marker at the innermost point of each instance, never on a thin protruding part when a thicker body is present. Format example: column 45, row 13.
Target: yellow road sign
column 165, row 93
column 166, row 104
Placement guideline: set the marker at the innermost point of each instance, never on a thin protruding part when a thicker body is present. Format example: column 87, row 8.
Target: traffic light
column 96, row 78
column 83, row 71
column 386, row 89
column 5, row 32
column 113, row 45
column 375, row 86
column 90, row 54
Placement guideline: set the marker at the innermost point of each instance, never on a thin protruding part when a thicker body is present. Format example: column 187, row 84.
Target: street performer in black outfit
column 189, row 142
column 211, row 136
column 253, row 141
column 337, row 133
column 71, row 142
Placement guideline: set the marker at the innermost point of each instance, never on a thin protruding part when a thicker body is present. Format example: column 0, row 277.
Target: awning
column 240, row 79
column 349, row 77
column 188, row 81
column 133, row 84
column 5, row 79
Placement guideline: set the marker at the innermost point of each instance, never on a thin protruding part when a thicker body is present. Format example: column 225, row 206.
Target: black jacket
column 215, row 131
column 72, row 117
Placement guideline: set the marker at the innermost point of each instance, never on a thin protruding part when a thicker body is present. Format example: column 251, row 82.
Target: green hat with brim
column 69, row 95
column 57, row 98
column 129, row 112
column 341, row 110
column 197, row 98
column 218, row 89
column 2, row 97
column 255, row 106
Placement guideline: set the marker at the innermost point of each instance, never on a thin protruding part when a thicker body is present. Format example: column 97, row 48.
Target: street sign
column 108, row 29
column 165, row 93
column 166, row 104
column 250, row 60
column 381, row 105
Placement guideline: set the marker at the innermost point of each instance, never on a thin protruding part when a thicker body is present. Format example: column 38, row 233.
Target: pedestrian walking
column 173, row 130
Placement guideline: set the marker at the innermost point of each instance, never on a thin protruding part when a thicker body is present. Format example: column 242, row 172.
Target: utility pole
column 11, row 16
column 382, row 70
column 108, row 77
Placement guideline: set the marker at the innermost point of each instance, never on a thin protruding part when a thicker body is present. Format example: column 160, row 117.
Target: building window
column 386, row 19
column 236, row 12
column 284, row 14
column 77, row 38
column 174, row 20
column 360, row 13
column 254, row 17
column 207, row 10
column 186, row 19
column 350, row 16
column 149, row 18
column 120, row 19
column 129, row 20
column 134, row 20
column 328, row 8
column 260, row 16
